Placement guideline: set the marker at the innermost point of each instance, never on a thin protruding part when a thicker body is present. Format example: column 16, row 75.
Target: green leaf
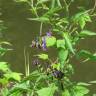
column 86, row 54
column 61, row 43
column 23, row 86
column 3, row 81
column 50, row 41
column 81, row 18
column 63, row 54
column 43, row 56
column 66, row 93
column 68, row 42
column 51, row 12
column 4, row 66
column 18, row 89
column 40, row 19
column 82, row 23
column 3, row 51
column 6, row 43
column 21, row 0
column 42, row 1
column 48, row 91
column 56, row 66
column 93, row 82
column 13, row 75
column 4, row 92
column 83, row 84
column 80, row 90
column 86, row 33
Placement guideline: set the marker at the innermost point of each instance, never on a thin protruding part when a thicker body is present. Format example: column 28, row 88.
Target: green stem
column 41, row 28
column 53, row 4
column 27, row 71
column 25, row 61
column 67, row 7
column 32, row 3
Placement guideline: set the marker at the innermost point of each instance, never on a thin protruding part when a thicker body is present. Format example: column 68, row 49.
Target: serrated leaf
column 48, row 91
column 43, row 56
column 68, row 42
column 23, row 86
column 50, row 41
column 81, row 18
column 18, row 89
column 86, row 33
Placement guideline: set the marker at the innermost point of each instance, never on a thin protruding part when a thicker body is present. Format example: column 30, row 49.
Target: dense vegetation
column 53, row 78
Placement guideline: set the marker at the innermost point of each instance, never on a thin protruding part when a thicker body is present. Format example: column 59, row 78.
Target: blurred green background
column 21, row 31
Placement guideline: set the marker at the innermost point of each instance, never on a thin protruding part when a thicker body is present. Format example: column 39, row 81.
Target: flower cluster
column 40, row 43
column 58, row 74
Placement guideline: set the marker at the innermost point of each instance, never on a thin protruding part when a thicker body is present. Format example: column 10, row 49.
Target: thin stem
column 28, row 70
column 32, row 3
column 26, row 57
column 41, row 28
column 69, row 3
column 67, row 7
column 65, row 2
column 25, row 61
column 93, row 9
column 53, row 4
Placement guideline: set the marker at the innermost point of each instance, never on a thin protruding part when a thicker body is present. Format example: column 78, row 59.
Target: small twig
column 56, row 61
column 31, row 4
column 93, row 9
column 74, row 29
column 69, row 3
column 67, row 7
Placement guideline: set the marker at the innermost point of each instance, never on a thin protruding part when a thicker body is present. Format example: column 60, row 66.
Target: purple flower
column 49, row 34
column 57, row 74
column 44, row 43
